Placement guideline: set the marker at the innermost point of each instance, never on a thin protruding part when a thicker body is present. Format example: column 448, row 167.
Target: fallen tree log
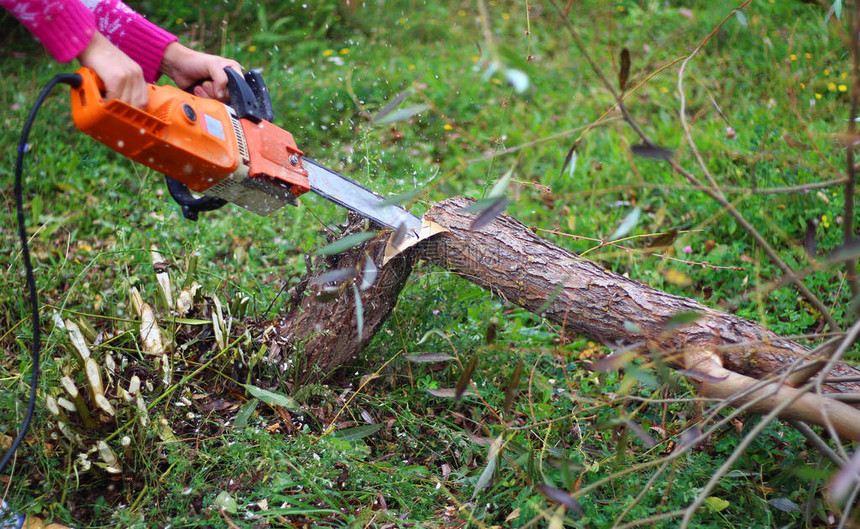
column 583, row 298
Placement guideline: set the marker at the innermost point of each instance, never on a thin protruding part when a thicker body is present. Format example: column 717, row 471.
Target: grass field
column 495, row 88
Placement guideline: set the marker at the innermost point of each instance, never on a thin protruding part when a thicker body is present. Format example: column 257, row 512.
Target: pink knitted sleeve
column 136, row 36
column 65, row 27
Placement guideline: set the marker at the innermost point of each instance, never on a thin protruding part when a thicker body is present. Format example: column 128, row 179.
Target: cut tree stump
column 580, row 296
column 318, row 333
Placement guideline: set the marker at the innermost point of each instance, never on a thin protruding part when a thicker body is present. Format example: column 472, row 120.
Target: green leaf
column 449, row 393
column 244, row 413
column 369, row 273
column 487, row 474
column 501, row 187
column 465, row 377
column 428, row 334
column 496, row 208
column 359, row 311
column 681, row 319
column 835, row 9
column 624, row 72
column 190, row 321
column 357, row 433
column 36, row 207
column 664, row 239
column 562, row 497
column 391, row 105
column 716, row 504
column 627, row 225
column 398, row 236
column 335, row 276
column 401, row 115
column 513, row 386
column 784, row 504
column 568, row 158
column 346, row 243
column 400, row 198
column 272, row 398
column 226, row 503
column 428, row 358
column 652, row 151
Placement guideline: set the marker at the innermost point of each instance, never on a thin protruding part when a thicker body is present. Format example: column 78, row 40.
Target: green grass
column 94, row 217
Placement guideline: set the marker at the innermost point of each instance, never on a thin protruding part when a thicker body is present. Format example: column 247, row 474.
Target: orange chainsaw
column 227, row 153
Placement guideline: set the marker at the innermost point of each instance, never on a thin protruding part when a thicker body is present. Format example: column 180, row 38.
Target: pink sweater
column 65, row 27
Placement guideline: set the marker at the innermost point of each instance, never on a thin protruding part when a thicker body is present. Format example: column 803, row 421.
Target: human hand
column 186, row 67
column 122, row 77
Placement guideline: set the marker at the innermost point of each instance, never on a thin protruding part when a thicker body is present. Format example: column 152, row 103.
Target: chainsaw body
column 227, row 153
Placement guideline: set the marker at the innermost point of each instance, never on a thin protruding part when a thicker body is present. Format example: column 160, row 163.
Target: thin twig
column 848, row 215
column 847, row 341
column 715, row 193
column 818, row 442
column 849, row 505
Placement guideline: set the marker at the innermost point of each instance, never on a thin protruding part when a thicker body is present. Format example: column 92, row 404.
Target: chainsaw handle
column 249, row 96
column 191, row 206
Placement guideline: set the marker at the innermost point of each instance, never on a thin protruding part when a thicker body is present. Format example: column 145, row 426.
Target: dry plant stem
column 689, row 187
column 848, row 215
column 744, row 399
column 678, row 452
column 818, row 442
column 847, row 341
column 849, row 505
column 651, row 520
column 715, row 193
column 712, row 192
column 793, row 403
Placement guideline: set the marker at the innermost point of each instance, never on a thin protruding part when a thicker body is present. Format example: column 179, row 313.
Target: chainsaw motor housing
column 201, row 143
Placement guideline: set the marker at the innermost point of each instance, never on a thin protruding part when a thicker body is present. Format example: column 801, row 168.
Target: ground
column 497, row 91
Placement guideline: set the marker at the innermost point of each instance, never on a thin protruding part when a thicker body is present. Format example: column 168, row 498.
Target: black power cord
column 75, row 81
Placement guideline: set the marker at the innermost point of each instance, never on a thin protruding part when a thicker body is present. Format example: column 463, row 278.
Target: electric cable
column 74, row 80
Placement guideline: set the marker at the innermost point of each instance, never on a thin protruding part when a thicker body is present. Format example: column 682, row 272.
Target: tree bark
column 507, row 258
column 319, row 331
column 580, row 296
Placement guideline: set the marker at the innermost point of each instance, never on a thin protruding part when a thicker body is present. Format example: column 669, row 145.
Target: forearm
column 136, row 36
